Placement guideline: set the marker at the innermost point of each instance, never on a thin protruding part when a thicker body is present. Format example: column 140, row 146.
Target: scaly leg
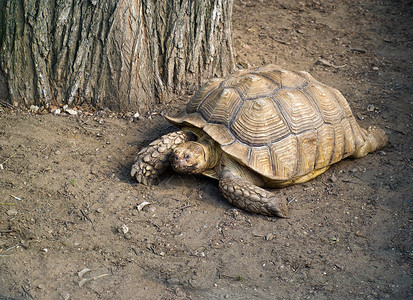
column 247, row 196
column 152, row 160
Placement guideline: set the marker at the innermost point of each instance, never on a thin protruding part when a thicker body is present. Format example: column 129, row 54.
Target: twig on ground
column 11, row 156
column 358, row 50
column 83, row 281
column 328, row 64
column 395, row 130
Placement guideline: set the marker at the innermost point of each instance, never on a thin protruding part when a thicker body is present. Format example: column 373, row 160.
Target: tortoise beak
column 181, row 162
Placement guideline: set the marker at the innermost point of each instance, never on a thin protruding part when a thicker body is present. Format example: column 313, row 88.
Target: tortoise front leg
column 152, row 160
column 247, row 196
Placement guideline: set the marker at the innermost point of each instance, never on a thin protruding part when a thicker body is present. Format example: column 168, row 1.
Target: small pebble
column 269, row 237
column 371, row 107
column 173, row 281
column 34, row 108
column 123, row 229
column 71, row 111
column 11, row 212
column 360, row 116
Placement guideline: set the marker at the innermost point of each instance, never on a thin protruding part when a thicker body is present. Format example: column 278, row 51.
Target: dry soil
column 70, row 227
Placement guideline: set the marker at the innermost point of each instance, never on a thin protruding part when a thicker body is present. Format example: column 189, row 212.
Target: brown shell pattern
column 281, row 124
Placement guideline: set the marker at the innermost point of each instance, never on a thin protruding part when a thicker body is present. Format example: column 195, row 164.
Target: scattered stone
column 55, row 110
column 102, row 113
column 136, row 116
column 173, row 281
column 123, row 229
column 333, row 178
column 371, row 107
column 11, row 212
column 71, row 111
column 269, row 236
column 34, row 109
column 234, row 213
column 360, row 116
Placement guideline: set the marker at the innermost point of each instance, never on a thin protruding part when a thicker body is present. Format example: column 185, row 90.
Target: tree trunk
column 125, row 55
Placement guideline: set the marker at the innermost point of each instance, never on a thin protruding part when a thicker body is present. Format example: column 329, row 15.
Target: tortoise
column 262, row 127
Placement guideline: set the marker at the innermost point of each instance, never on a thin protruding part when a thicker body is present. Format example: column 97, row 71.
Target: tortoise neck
column 212, row 151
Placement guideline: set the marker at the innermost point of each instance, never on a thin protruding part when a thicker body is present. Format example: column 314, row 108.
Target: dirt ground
column 70, row 227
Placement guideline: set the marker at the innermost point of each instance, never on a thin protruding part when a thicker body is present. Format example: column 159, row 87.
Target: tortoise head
column 190, row 157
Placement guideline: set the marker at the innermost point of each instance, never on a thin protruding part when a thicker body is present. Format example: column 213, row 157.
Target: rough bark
column 118, row 54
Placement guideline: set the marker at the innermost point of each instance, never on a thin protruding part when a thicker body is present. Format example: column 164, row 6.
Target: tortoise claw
column 245, row 195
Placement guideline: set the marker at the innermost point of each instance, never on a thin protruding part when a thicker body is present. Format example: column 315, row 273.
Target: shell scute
column 251, row 85
column 258, row 122
column 202, row 93
column 221, row 105
column 300, row 112
column 284, row 155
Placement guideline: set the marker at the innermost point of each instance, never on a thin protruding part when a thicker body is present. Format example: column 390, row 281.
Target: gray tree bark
column 125, row 55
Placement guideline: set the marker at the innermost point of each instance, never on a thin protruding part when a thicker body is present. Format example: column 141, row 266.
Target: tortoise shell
column 279, row 123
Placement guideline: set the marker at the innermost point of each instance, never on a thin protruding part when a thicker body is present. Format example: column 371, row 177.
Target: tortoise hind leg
column 376, row 139
column 247, row 196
